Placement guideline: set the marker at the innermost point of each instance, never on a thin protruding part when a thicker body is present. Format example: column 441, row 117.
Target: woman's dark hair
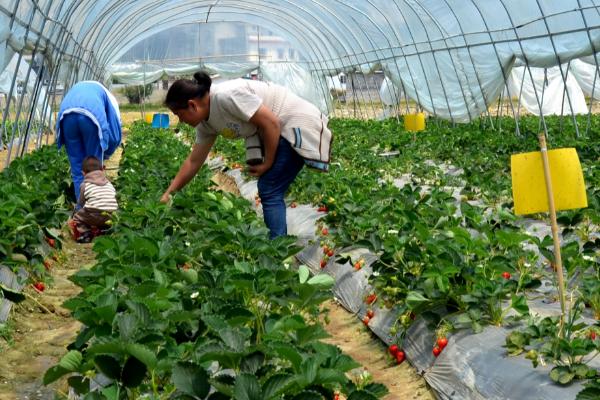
column 184, row 90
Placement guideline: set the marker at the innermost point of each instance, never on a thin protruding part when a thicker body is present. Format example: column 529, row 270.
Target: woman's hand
column 259, row 169
column 165, row 197
column 189, row 168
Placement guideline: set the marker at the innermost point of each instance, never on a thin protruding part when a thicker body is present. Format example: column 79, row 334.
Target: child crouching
column 97, row 202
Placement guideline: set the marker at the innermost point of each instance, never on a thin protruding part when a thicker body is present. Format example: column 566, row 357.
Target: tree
column 135, row 93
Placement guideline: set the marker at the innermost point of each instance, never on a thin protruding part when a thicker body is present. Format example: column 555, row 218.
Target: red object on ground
column 371, row 298
column 400, row 357
column 39, row 286
column 74, row 231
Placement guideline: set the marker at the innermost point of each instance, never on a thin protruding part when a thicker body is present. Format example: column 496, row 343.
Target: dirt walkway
column 39, row 338
column 350, row 335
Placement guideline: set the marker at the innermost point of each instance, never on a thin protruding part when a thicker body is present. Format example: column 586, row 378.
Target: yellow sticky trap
column 148, row 118
column 414, row 122
column 529, row 185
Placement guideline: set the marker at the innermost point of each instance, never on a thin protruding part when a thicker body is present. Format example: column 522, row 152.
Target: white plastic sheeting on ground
column 547, row 89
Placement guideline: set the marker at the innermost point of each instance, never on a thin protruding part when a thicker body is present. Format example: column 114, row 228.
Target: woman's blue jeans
column 273, row 184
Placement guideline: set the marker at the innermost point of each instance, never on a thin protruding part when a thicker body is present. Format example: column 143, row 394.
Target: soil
column 349, row 334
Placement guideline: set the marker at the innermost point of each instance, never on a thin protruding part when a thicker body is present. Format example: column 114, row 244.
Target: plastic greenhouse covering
column 453, row 59
column 427, row 48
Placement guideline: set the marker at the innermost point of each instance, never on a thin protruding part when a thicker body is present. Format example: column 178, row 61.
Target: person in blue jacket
column 88, row 124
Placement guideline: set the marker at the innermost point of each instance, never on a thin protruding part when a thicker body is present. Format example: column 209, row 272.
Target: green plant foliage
column 193, row 295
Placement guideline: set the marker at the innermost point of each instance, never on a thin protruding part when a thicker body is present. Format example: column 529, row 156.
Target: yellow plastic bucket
column 148, row 118
column 529, row 184
column 414, row 122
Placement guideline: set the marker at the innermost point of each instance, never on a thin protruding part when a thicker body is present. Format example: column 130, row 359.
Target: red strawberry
column 593, row 335
column 330, row 253
column 51, row 242
column 293, row 205
column 366, row 320
column 506, row 275
column 47, row 265
column 357, row 265
column 400, row 357
column 371, row 298
column 393, row 349
column 442, row 342
column 322, row 209
column 323, row 263
column 39, row 286
column 370, row 313
column 325, row 232
column 436, row 351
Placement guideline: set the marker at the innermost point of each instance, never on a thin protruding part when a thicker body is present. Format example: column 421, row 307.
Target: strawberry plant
column 191, row 299
column 543, row 342
column 33, row 204
column 462, row 261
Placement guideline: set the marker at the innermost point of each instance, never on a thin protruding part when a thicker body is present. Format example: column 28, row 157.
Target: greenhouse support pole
column 554, row 225
column 5, row 114
column 353, row 93
column 34, row 98
column 562, row 103
column 15, row 127
column 521, row 94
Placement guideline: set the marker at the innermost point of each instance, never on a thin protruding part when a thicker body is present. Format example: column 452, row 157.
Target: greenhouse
column 411, row 209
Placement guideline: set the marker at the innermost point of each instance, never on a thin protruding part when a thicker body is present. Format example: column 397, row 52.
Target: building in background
column 269, row 46
column 220, row 42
